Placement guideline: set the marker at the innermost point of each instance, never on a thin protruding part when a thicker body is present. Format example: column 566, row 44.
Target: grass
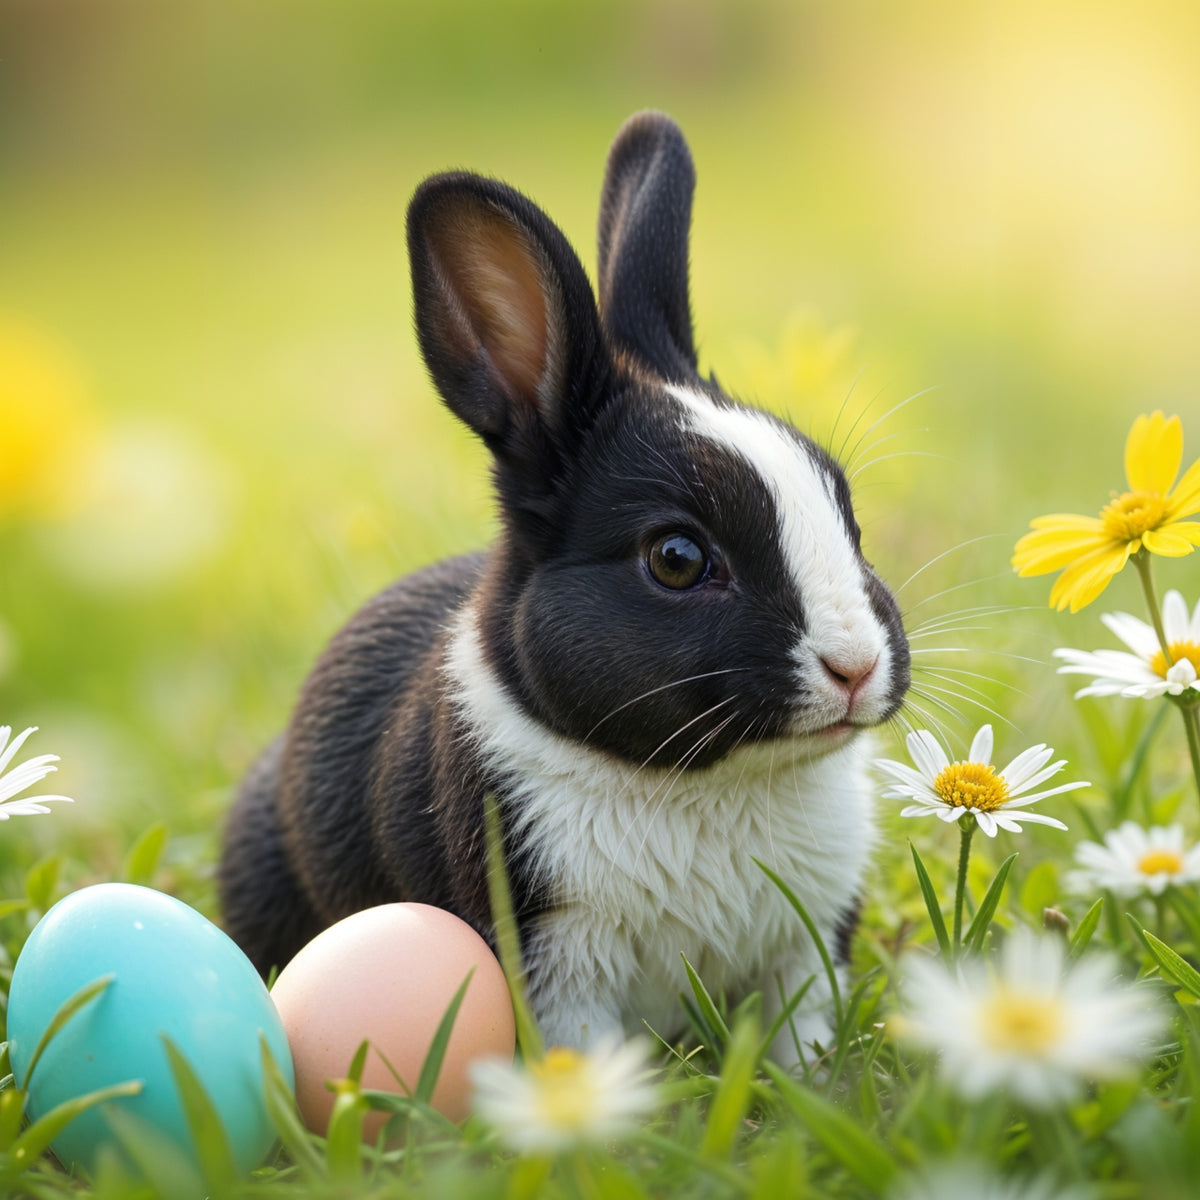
column 203, row 214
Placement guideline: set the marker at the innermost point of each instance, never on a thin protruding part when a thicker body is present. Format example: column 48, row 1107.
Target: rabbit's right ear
column 645, row 216
column 505, row 317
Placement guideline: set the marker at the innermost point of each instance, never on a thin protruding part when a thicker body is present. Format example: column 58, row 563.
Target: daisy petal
column 1017, row 772
column 1065, row 787
column 927, row 752
column 1033, row 819
column 981, row 745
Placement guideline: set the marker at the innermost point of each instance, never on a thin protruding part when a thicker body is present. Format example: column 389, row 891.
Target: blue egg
column 175, row 974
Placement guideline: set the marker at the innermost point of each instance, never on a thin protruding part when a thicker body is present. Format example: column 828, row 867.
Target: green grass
column 204, row 212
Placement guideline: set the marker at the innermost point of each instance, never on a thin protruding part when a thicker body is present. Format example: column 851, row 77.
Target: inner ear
column 499, row 289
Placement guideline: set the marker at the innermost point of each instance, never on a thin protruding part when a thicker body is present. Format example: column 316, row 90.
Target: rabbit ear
column 645, row 213
column 504, row 311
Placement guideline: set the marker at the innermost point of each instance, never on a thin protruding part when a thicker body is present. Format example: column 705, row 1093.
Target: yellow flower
column 45, row 424
column 1091, row 550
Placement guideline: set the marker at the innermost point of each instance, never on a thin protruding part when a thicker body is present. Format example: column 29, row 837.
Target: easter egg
column 175, row 975
column 388, row 975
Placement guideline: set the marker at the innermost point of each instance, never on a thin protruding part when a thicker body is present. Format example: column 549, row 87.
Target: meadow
column 958, row 245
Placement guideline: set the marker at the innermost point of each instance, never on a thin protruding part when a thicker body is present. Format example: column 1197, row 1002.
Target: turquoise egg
column 175, row 974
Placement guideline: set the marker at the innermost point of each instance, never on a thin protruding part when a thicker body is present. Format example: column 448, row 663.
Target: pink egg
column 387, row 975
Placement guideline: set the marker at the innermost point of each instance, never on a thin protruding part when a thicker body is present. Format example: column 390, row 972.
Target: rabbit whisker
column 661, row 688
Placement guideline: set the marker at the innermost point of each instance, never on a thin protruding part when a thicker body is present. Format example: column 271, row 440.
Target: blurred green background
column 217, row 437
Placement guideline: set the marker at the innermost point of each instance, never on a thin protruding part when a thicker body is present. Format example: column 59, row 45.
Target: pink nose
column 849, row 674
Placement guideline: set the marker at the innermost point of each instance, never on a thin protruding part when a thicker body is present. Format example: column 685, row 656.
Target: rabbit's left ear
column 505, row 315
column 645, row 216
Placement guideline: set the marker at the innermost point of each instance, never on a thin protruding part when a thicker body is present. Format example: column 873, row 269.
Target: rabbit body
column 662, row 669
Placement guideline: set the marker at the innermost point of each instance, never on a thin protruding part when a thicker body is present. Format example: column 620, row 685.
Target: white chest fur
column 645, row 864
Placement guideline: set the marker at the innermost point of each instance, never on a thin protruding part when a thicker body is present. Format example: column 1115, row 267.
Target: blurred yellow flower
column 45, row 423
column 1091, row 550
column 808, row 363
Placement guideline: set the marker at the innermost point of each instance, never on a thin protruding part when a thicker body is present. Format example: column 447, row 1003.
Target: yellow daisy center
column 1129, row 516
column 1179, row 651
column 971, row 785
column 1155, row 861
column 566, row 1098
column 1021, row 1024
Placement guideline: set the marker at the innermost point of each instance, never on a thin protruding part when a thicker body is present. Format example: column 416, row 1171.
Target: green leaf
column 66, row 1011
column 1175, row 968
column 978, row 928
column 358, row 1063
column 508, row 941
column 931, row 905
column 1123, row 795
column 35, row 1141
column 1184, row 905
column 12, row 1112
column 142, row 860
column 431, row 1068
column 847, row 1036
column 284, row 1116
column 42, row 881
column 8, row 907
column 818, row 941
column 1039, row 890
column 1084, row 933
column 343, row 1147
column 863, row 1156
column 704, row 1002
column 160, row 1159
column 209, row 1138
column 785, row 1015
column 733, row 1094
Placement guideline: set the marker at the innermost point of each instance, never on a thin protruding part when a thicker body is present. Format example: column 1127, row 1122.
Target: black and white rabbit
column 661, row 668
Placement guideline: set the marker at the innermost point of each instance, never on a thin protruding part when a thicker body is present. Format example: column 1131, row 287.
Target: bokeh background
column 217, row 437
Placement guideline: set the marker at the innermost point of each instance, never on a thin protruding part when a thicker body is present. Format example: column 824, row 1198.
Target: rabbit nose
column 848, row 673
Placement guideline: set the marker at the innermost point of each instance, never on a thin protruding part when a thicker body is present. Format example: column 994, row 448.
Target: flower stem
column 966, row 827
column 1145, row 571
column 1191, row 726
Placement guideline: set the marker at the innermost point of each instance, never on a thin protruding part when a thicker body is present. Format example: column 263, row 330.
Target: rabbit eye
column 677, row 562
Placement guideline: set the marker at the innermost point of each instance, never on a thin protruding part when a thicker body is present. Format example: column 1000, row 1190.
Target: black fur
column 374, row 793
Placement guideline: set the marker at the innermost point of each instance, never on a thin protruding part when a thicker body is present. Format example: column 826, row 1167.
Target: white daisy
column 1145, row 673
column 967, row 1180
column 23, row 776
column 1133, row 860
column 568, row 1099
column 950, row 790
column 1035, row 1027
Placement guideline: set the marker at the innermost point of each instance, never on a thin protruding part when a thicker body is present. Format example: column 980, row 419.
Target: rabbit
column 661, row 669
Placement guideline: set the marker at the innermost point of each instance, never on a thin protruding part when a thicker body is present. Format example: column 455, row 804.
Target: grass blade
column 733, row 1094
column 209, row 1139
column 344, row 1134
column 34, row 1142
column 144, row 855
column 982, row 921
column 431, row 1068
column 785, row 1015
column 863, row 1156
column 285, row 1117
column 508, row 941
column 1175, row 968
column 67, row 1010
column 932, row 906
column 1185, row 907
column 160, row 1159
column 1087, row 928
column 704, row 1002
column 818, row 941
